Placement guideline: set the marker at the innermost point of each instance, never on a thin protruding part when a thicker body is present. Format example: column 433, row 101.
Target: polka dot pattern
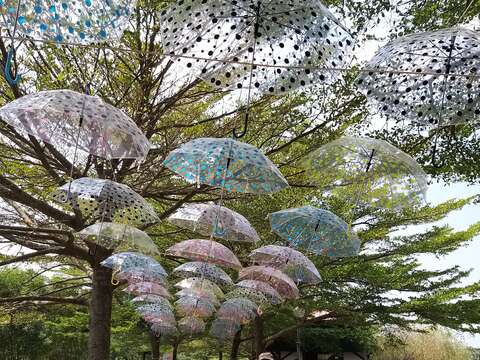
column 430, row 99
column 236, row 166
column 130, row 260
column 76, row 21
column 286, row 33
column 53, row 116
column 269, row 292
column 205, row 271
column 106, row 200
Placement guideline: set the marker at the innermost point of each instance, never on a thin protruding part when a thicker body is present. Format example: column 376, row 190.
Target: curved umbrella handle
column 8, row 69
column 245, row 127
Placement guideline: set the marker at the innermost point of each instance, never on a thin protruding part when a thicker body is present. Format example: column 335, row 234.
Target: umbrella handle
column 8, row 68
column 114, row 281
column 245, row 127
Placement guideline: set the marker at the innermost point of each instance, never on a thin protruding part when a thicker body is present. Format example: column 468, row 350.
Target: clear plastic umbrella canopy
column 292, row 262
column 230, row 164
column 224, row 329
column 190, row 306
column 201, row 294
column 106, row 200
column 126, row 261
column 275, row 278
column 157, row 309
column 438, row 82
column 317, row 230
column 270, row 293
column 84, row 22
column 211, row 219
column 240, row 310
column 150, row 299
column 368, row 171
column 191, row 325
column 253, row 295
column 145, row 287
column 203, row 270
column 202, row 285
column 163, row 329
column 205, row 250
column 119, row 237
column 68, row 119
column 280, row 36
column 135, row 274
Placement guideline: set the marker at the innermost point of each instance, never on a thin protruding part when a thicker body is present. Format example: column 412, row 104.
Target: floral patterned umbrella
column 223, row 329
column 191, row 325
column 292, row 262
column 230, row 164
column 205, row 250
column 126, row 261
column 433, row 86
column 208, row 219
column 145, row 287
column 119, row 236
column 190, row 306
column 270, row 293
column 66, row 118
column 275, row 278
column 205, row 271
column 201, row 294
column 240, row 310
column 200, row 284
column 369, row 171
column 317, row 230
column 81, row 22
column 106, row 200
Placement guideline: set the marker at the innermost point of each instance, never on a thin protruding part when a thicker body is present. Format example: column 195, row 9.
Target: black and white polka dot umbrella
column 431, row 78
column 271, row 46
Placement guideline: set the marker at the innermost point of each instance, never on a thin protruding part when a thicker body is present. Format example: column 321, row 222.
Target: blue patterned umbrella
column 81, row 21
column 316, row 230
column 125, row 261
column 236, row 166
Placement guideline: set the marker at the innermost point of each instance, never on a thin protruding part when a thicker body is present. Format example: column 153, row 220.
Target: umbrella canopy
column 151, row 299
column 82, row 22
column 255, row 296
column 208, row 219
column 191, row 325
column 292, row 262
column 240, row 310
column 157, row 310
column 233, row 165
column 205, row 271
column 126, row 261
column 275, row 278
column 317, row 230
column 119, row 236
column 136, row 274
column 433, row 87
column 202, row 285
column 145, row 287
column 190, row 306
column 270, row 293
column 106, row 200
column 223, row 329
column 201, row 294
column 205, row 250
column 370, row 171
column 66, row 118
column 163, row 329
column 275, row 34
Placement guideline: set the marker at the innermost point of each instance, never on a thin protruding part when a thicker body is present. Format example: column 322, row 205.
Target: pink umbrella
column 239, row 310
column 275, row 278
column 199, row 293
column 206, row 251
column 146, row 287
column 190, row 306
column 271, row 294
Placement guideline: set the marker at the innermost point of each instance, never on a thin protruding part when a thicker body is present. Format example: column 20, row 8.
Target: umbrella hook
column 11, row 53
column 435, row 164
column 115, row 281
column 245, row 127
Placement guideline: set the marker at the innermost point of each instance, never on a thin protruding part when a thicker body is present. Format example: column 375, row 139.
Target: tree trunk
column 236, row 345
column 174, row 351
column 155, row 345
column 100, row 314
column 259, row 337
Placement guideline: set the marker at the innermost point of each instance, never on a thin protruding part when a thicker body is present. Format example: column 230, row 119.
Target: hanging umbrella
column 78, row 22
column 136, row 274
column 438, row 82
column 317, row 230
column 231, row 164
column 108, row 201
column 208, row 219
column 370, row 171
column 190, row 306
column 126, row 261
column 146, row 287
column 118, row 236
column 270, row 293
column 156, row 310
column 200, row 294
column 203, row 270
column 255, row 296
column 191, row 325
column 163, row 329
column 223, row 329
column 151, row 299
column 290, row 261
column 280, row 36
column 205, row 250
column 66, row 118
column 240, row 310
column 275, row 278
column 200, row 284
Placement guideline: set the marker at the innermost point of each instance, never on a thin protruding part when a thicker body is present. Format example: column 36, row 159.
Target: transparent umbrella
column 200, row 294
column 275, row 278
column 223, row 329
column 200, row 284
column 126, row 261
column 203, row 270
column 190, row 306
column 240, row 310
column 253, row 295
column 191, row 325
column 270, row 293
column 136, row 274
column 145, row 287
